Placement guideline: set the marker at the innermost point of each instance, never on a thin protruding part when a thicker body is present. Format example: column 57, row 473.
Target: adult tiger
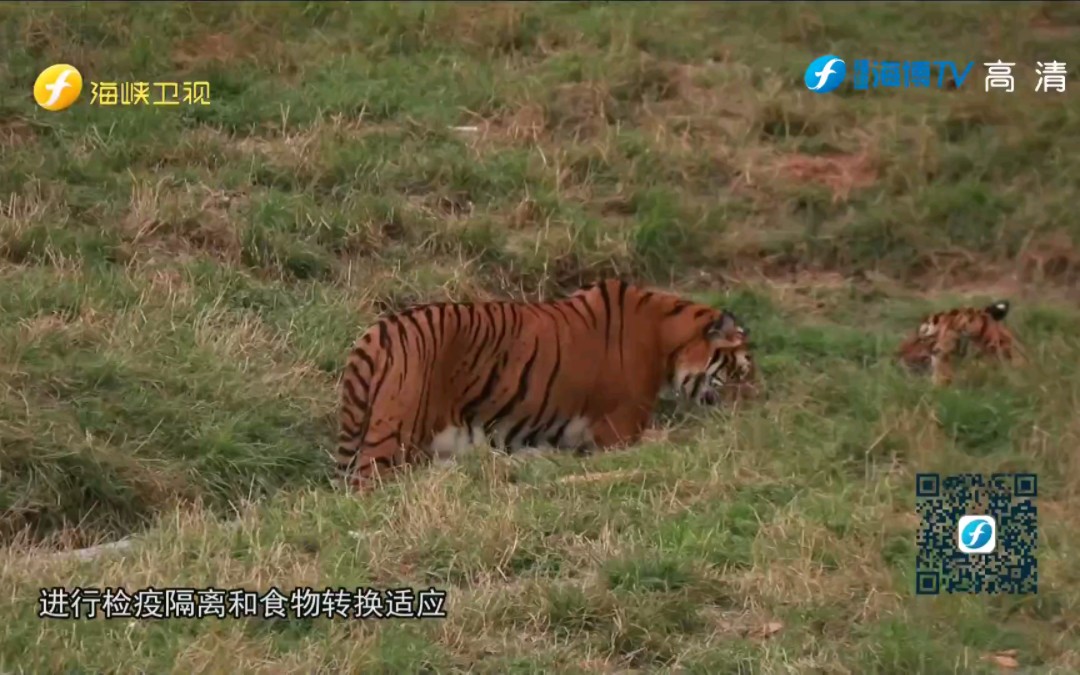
column 941, row 336
column 577, row 373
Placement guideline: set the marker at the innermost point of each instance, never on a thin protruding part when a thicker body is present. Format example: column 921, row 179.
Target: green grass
column 178, row 288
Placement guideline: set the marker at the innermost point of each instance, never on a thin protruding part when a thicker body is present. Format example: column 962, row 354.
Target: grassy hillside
column 178, row 288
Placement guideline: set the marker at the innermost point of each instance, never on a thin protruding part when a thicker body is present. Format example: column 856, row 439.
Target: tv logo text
column 827, row 73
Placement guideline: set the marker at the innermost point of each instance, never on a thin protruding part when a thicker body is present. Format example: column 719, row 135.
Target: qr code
column 1009, row 498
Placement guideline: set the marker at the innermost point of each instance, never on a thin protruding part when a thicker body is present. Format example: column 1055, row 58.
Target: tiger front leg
column 381, row 458
column 621, row 427
column 940, row 359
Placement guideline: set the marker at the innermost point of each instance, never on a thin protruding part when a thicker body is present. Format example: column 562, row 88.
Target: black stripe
column 470, row 407
column 352, row 395
column 481, row 346
column 523, row 386
column 514, row 431
column 416, row 328
column 428, row 316
column 384, row 335
column 366, row 359
column 353, row 417
column 577, row 311
column 558, row 308
column 679, row 307
column 588, row 308
column 559, row 432
column 363, row 382
column 440, row 310
column 395, row 435
column 547, row 391
column 698, row 381
column 459, row 323
column 403, row 338
column 384, row 341
column 607, row 315
column 546, row 310
column 534, row 436
column 644, row 298
column 350, row 424
column 498, row 323
column 551, row 380
column 622, row 320
column 420, row 421
column 475, row 323
column 519, row 319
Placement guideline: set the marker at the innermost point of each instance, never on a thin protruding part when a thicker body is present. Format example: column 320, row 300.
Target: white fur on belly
column 453, row 440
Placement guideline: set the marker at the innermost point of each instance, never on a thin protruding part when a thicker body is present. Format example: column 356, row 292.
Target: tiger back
column 577, row 373
column 943, row 337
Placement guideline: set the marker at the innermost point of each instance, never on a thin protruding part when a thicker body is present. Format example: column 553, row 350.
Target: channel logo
column 57, row 87
column 825, row 73
column 976, row 534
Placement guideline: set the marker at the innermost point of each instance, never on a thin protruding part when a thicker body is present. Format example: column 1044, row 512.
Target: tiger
column 941, row 336
column 581, row 373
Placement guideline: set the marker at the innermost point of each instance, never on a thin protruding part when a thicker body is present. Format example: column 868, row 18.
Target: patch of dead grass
column 808, row 291
column 203, row 51
column 841, row 173
column 1051, row 257
column 857, row 577
column 1048, row 28
column 16, row 133
column 171, row 220
column 211, row 48
column 20, row 210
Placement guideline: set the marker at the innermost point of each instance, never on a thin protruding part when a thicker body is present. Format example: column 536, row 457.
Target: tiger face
column 715, row 361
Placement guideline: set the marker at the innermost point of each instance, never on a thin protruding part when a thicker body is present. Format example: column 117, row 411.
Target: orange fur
column 578, row 373
column 943, row 336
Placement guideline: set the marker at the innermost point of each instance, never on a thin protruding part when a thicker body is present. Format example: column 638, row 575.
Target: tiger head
column 714, row 360
column 969, row 320
column 980, row 323
column 915, row 353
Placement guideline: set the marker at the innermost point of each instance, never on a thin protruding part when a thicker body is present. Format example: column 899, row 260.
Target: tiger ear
column 998, row 310
column 726, row 329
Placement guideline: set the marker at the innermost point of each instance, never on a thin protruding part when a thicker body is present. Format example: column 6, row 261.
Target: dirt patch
column 801, row 291
column 840, row 173
column 496, row 28
column 229, row 49
column 1044, row 27
column 1004, row 287
column 203, row 50
column 1051, row 257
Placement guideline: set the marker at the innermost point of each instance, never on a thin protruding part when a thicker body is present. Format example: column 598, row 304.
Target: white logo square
column 976, row 534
